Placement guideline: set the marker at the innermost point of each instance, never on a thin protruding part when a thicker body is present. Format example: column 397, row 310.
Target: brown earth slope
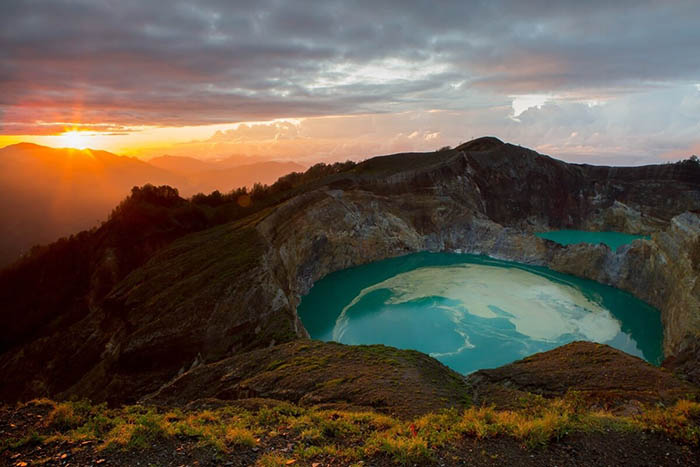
column 312, row 403
column 596, row 374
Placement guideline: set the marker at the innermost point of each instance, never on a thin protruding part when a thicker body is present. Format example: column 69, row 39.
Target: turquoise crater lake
column 569, row 237
column 473, row 312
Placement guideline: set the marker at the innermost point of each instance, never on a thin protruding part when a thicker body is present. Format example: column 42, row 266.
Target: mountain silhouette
column 47, row 193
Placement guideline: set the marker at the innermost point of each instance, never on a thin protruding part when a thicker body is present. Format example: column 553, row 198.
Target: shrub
column 403, row 450
column 64, row 417
column 679, row 422
column 235, row 436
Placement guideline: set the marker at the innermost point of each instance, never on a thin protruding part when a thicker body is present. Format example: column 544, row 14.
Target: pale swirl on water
column 474, row 312
column 538, row 308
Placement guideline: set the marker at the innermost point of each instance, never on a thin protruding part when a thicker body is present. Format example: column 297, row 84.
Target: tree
column 259, row 192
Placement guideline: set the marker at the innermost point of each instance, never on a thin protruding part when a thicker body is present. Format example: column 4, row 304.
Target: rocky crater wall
column 345, row 229
column 445, row 208
column 226, row 291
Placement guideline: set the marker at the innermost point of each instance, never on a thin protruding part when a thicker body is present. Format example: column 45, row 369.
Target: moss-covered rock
column 312, row 373
column 595, row 375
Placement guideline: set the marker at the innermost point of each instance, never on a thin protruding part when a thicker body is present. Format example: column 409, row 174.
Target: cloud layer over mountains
column 575, row 77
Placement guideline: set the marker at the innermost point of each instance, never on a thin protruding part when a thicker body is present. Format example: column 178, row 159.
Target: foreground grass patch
column 345, row 437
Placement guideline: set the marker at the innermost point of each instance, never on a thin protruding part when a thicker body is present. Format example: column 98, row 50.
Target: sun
column 75, row 139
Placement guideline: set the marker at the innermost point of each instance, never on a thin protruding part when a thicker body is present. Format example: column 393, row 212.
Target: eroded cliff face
column 235, row 288
column 336, row 230
column 663, row 271
column 332, row 229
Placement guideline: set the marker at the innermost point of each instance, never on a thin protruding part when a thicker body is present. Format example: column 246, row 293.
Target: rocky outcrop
column 662, row 271
column 685, row 362
column 229, row 290
column 593, row 374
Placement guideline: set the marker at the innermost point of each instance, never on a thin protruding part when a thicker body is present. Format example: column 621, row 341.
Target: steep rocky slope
column 225, row 291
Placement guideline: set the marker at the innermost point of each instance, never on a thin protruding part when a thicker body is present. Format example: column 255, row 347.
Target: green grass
column 348, row 436
column 32, row 439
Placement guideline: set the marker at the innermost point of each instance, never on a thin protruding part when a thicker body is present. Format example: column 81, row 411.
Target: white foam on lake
column 539, row 308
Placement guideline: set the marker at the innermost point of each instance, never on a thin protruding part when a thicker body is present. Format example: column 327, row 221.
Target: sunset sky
column 615, row 82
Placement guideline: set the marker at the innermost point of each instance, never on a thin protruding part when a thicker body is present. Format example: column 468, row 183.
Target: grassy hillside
column 77, row 272
column 268, row 433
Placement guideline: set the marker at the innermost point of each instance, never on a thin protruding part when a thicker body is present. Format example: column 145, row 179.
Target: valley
column 47, row 193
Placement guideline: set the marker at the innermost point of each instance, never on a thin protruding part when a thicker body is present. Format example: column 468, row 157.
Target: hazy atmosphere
column 598, row 82
column 332, row 233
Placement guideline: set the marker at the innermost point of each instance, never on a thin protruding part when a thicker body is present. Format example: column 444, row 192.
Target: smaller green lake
column 473, row 312
column 611, row 239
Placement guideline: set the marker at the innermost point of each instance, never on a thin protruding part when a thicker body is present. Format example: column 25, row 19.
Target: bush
column 235, row 436
column 68, row 415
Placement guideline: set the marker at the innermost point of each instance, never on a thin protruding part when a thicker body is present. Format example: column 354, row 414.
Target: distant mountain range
column 205, row 176
column 47, row 193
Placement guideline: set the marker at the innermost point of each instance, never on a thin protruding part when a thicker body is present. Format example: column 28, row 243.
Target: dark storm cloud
column 176, row 63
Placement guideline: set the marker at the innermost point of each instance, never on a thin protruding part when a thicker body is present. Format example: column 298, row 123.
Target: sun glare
column 75, row 139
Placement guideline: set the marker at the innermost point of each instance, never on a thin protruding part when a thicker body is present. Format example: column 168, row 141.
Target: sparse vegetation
column 345, row 436
column 272, row 460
